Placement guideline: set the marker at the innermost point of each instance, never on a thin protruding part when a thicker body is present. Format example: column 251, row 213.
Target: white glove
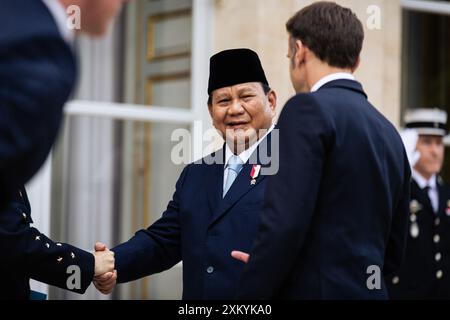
column 409, row 138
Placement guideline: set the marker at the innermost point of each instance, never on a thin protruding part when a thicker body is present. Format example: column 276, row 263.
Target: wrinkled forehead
column 254, row 87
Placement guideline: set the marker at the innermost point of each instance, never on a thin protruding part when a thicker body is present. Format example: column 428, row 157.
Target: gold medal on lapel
column 414, row 206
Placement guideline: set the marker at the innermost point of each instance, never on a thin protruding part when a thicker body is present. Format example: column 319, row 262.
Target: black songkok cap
column 235, row 66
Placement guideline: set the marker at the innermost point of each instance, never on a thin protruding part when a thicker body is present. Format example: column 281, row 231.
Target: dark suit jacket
column 199, row 228
column 338, row 205
column 427, row 252
column 26, row 253
column 37, row 74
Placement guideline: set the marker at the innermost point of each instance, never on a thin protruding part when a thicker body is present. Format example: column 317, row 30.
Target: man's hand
column 105, row 276
column 241, row 256
column 410, row 138
column 106, row 282
column 104, row 259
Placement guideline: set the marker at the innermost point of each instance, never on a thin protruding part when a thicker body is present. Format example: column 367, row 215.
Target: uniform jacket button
column 210, row 269
column 436, row 238
column 438, row 256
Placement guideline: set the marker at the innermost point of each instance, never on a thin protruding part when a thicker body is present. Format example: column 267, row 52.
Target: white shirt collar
column 59, row 14
column 422, row 182
column 331, row 77
column 245, row 155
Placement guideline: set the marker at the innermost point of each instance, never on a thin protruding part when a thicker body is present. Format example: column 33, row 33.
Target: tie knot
column 235, row 163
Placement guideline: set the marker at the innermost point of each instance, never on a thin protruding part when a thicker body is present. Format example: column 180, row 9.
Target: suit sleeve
column 36, row 78
column 290, row 200
column 37, row 256
column 396, row 245
column 156, row 248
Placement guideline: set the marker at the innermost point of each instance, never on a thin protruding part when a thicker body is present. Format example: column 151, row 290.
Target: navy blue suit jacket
column 201, row 229
column 338, row 205
column 37, row 74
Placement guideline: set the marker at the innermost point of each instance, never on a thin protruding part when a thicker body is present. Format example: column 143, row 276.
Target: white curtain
column 84, row 209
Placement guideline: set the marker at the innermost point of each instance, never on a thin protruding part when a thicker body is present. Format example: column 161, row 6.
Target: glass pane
column 160, row 59
column 169, row 35
column 161, row 91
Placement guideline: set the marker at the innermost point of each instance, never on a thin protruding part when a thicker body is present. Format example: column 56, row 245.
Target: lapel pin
column 255, row 173
column 415, row 206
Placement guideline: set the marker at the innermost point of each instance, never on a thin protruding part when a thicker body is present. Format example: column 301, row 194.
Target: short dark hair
column 264, row 86
column 333, row 33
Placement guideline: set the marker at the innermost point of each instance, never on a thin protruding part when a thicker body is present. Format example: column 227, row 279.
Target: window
column 426, row 59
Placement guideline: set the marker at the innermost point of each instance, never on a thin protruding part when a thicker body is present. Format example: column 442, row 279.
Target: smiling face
column 240, row 111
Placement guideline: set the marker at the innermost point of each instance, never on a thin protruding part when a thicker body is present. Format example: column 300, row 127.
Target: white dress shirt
column 59, row 14
column 433, row 193
column 244, row 155
column 331, row 77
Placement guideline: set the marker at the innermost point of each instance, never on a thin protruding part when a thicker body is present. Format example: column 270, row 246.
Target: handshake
column 105, row 276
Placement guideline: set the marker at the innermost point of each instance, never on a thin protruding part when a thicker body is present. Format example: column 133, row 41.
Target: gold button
column 436, row 238
column 438, row 256
column 395, row 280
column 439, row 274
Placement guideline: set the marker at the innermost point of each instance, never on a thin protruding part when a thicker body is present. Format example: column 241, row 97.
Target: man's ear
column 272, row 97
column 300, row 53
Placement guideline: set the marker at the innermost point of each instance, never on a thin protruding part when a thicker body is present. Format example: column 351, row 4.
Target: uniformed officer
column 425, row 272
column 37, row 75
column 27, row 253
